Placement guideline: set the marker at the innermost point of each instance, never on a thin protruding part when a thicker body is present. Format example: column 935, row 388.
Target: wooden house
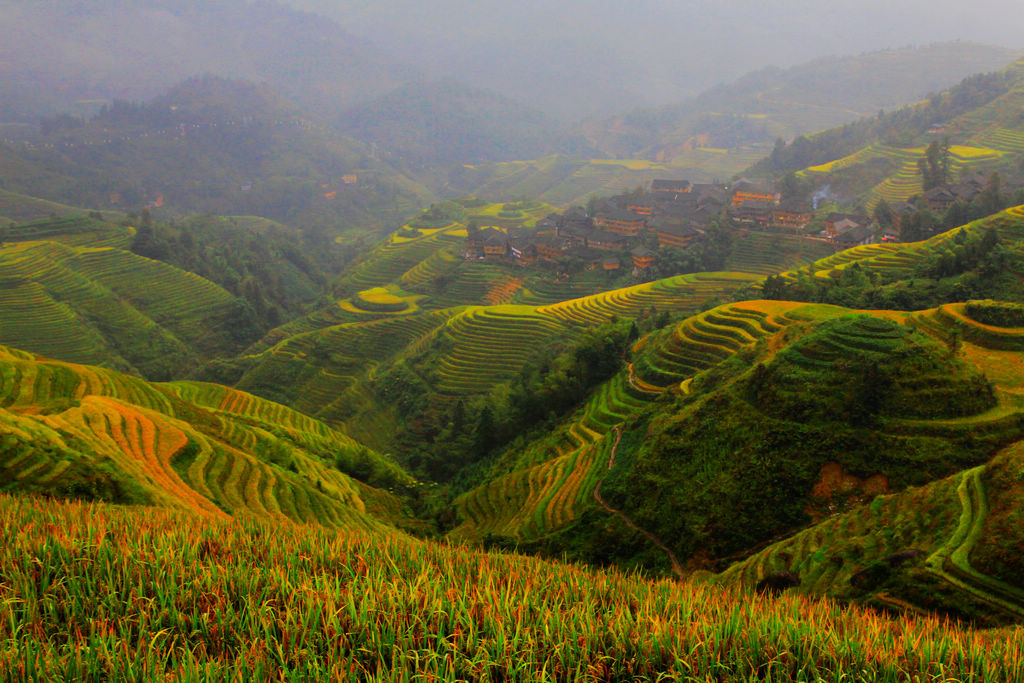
column 792, row 214
column 549, row 248
column 495, row 243
column 744, row 191
column 669, row 189
column 643, row 258
column 643, row 208
column 607, row 240
column 680, row 234
column 855, row 237
column 623, row 222
column 752, row 211
column 835, row 217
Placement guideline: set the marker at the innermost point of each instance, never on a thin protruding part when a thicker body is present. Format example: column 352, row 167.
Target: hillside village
column 630, row 230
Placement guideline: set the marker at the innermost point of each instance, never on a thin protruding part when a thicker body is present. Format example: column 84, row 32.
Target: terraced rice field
column 72, row 230
column 246, row 456
column 390, row 262
column 542, row 497
column 944, row 519
column 173, row 313
column 900, row 186
column 503, row 291
column 312, row 371
column 1001, row 139
column 529, row 503
column 32, row 319
column 705, row 339
column 940, row 322
column 22, row 208
column 900, row 259
column 827, row 554
column 439, row 263
column 679, row 293
column 471, row 283
column 767, row 253
column 866, row 155
column 491, row 344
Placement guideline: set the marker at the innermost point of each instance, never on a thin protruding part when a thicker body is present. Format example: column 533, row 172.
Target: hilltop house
column 641, row 207
column 611, row 263
column 834, row 219
column 549, row 247
column 548, row 225
column 940, row 198
column 574, row 221
column 495, row 243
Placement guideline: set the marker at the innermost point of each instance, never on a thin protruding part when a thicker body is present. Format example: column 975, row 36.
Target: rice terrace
column 358, row 344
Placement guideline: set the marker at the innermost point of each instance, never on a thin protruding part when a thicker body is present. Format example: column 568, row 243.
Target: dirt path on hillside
column 676, row 567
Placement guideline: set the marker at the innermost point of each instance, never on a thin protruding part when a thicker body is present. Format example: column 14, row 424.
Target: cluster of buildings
column 674, row 213
column 572, row 234
column 759, row 205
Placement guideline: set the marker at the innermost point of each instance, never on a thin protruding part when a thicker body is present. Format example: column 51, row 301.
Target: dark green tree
column 934, row 166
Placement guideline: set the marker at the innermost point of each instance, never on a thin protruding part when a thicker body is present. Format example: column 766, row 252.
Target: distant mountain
column 774, row 102
column 579, row 58
column 446, row 122
column 59, row 55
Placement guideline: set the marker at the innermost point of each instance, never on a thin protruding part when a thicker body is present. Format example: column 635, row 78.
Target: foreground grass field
column 99, row 593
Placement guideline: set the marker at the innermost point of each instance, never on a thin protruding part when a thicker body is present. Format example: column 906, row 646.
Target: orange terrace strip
column 94, row 592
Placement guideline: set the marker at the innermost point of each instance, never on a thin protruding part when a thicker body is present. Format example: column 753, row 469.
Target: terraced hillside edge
column 948, row 545
column 91, row 432
column 103, row 305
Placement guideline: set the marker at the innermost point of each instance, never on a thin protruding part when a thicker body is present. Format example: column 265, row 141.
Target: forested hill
column 446, row 123
column 213, row 145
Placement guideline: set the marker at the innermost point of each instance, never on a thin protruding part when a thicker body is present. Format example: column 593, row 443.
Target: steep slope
column 945, row 546
column 95, row 433
column 537, row 487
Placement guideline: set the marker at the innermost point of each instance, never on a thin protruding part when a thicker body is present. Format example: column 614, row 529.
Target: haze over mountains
column 584, row 58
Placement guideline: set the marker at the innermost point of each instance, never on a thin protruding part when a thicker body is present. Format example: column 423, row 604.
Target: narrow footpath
column 676, row 567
